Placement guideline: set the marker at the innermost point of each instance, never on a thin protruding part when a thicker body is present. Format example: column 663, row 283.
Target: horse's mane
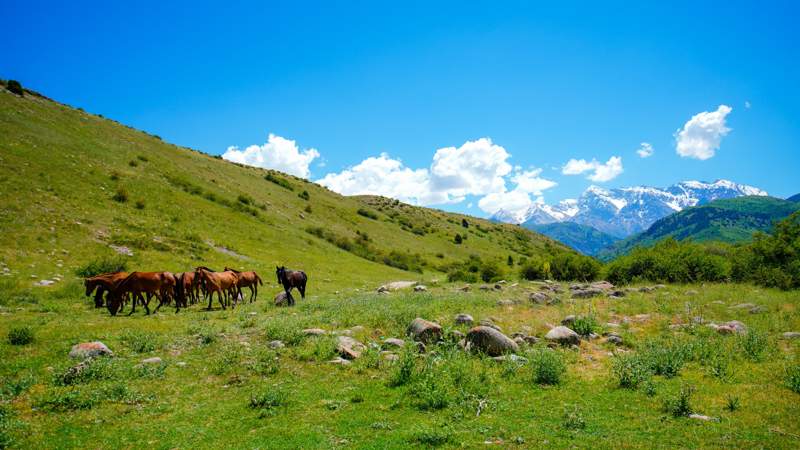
column 125, row 281
column 204, row 268
column 231, row 270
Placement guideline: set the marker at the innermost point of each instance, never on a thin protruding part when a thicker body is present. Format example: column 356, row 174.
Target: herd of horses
column 114, row 290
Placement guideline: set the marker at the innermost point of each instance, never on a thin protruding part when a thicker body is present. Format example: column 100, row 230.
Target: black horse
column 291, row 279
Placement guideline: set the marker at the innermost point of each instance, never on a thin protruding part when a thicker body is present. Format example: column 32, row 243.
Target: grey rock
column 281, row 299
column 348, row 347
column 153, row 360
column 489, row 323
column 314, row 332
column 276, row 344
column 563, row 335
column 394, row 343
column 511, row 357
column 424, row 331
column 464, row 319
column 490, row 341
column 569, row 320
column 586, row 293
column 340, row 361
column 420, row 288
column 791, row 335
column 614, row 339
column 540, row 298
column 86, row 350
column 743, row 306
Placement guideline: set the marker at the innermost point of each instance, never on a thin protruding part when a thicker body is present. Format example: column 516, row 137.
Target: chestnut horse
column 292, row 279
column 103, row 283
column 219, row 282
column 248, row 279
column 187, row 288
column 158, row 284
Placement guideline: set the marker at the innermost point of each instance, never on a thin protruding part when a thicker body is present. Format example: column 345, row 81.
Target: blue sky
column 353, row 80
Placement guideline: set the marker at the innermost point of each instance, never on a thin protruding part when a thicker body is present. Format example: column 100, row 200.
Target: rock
column 181, row 363
column 489, row 323
column 314, row 332
column 456, row 335
column 382, row 290
column 420, row 288
column 691, row 292
column 512, row 357
column 586, row 293
column 389, row 356
column 757, row 310
column 340, row 361
column 614, row 339
column 490, row 341
column 424, row 331
column 498, row 287
column 540, row 298
column 44, row 283
column 87, row 350
column 734, row 326
column 393, row 343
column 276, row 344
column 603, row 285
column 791, row 335
column 530, row 340
column 281, row 299
column 348, row 347
column 520, row 340
column 465, row 288
column 505, row 302
column 702, row 417
column 464, row 319
column 569, row 320
column 563, row 335
column 485, row 287
column 153, row 360
column 617, row 293
column 743, row 306
column 612, row 325
column 396, row 285
column 647, row 289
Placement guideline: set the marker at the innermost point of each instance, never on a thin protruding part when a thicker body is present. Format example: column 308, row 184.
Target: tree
column 15, row 87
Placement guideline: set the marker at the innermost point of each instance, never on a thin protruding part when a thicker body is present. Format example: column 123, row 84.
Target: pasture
column 221, row 383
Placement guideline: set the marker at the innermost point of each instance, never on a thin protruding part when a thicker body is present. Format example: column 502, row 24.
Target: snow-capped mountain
column 624, row 211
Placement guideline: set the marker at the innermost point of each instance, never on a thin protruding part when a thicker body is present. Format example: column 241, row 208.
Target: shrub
column 245, row 199
column 585, row 325
column 269, row 400
column 665, row 356
column 15, row 87
column 289, row 333
column 140, row 341
column 573, row 419
column 142, row 158
column 89, row 370
column 265, row 362
column 771, row 260
column 464, row 223
column 317, row 348
column 20, row 336
column 121, row 195
column 103, row 265
column 732, row 403
column 793, row 377
column 279, row 181
column 630, row 370
column 754, row 344
column 547, row 366
column 430, row 390
column 304, row 195
column 571, row 266
column 458, row 239
column 139, row 204
column 535, row 269
column 307, row 209
column 133, row 163
column 491, row 271
column 12, row 387
column 403, row 369
column 432, row 437
column 114, row 176
column 367, row 213
column 69, row 399
column 679, row 405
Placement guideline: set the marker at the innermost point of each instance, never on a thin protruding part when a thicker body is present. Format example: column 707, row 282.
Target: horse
column 103, row 283
column 248, row 279
column 186, row 288
column 220, row 282
column 292, row 279
column 157, row 284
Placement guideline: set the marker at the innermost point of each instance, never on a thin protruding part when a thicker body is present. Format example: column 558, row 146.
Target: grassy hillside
column 729, row 220
column 74, row 184
column 582, row 238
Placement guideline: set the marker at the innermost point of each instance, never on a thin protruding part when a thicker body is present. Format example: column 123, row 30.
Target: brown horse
column 219, row 283
column 187, row 288
column 292, row 279
column 151, row 284
column 249, row 280
column 103, row 283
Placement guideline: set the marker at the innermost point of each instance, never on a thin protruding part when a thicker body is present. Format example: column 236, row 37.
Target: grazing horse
column 248, row 279
column 187, row 288
column 291, row 279
column 103, row 283
column 220, row 282
column 151, row 284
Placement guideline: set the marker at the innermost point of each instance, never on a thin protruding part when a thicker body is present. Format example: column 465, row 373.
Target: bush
column 289, row 333
column 754, row 344
column 793, row 377
column 279, row 181
column 535, row 269
column 630, row 370
column 245, row 199
column 573, row 419
column 103, row 265
column 367, row 213
column 572, row 266
column 458, row 239
column 20, row 336
column 491, row 271
column 139, row 204
column 432, row 437
column 547, row 366
column 133, row 163
column 679, row 405
column 140, row 341
column 304, row 195
column 69, row 399
column 585, row 325
column 121, row 195
column 317, row 348
column 15, row 87
column 403, row 369
column 771, row 260
column 269, row 400
column 89, row 370
column 665, row 356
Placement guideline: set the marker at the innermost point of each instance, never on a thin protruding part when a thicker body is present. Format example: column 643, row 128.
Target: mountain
column 729, row 220
column 795, row 198
column 583, row 238
column 77, row 187
column 625, row 211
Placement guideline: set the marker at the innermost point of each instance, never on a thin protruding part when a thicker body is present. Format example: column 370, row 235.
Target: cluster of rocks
column 589, row 290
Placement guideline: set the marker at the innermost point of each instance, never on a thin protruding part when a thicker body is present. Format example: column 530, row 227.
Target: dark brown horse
column 292, row 279
column 249, row 280
column 187, row 289
column 102, row 283
column 158, row 284
column 219, row 282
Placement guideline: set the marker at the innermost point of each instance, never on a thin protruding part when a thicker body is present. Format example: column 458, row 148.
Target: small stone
column 540, row 298
column 757, row 310
column 505, row 302
column 703, row 418
column 420, row 288
column 743, row 306
column 791, row 335
column 181, row 363
column 340, row 361
column 691, row 292
column 394, row 343
column 586, row 293
column 512, row 357
column 281, row 299
column 569, row 320
column 276, row 344
column 314, row 332
column 734, row 326
column 489, row 323
column 348, row 347
column 153, row 360
column 604, row 285
column 44, row 283
column 464, row 319
column 563, row 336
column 614, row 339
column 87, row 350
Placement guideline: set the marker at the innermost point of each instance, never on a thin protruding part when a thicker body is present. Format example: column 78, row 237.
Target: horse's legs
column 210, row 299
column 146, row 303
column 289, row 296
column 252, row 293
column 302, row 289
column 219, row 296
column 134, row 297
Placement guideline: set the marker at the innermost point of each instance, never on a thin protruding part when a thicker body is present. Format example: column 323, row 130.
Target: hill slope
column 61, row 170
column 583, row 238
column 795, row 198
column 730, row 220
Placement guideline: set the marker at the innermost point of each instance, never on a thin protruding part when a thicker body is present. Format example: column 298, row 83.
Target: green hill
column 795, row 198
column 582, row 238
column 76, row 186
column 730, row 220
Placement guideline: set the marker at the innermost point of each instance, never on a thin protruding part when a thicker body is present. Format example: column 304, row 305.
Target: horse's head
column 90, row 285
column 280, row 272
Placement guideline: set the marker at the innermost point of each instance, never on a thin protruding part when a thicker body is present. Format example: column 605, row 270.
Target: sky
column 464, row 106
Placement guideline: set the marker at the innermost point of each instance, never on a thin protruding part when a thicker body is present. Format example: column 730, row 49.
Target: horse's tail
column 179, row 291
column 258, row 279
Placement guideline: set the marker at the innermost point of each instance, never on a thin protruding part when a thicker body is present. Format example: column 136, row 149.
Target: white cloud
column 600, row 171
column 700, row 137
column 645, row 150
column 475, row 168
column 518, row 200
column 277, row 153
column 747, row 104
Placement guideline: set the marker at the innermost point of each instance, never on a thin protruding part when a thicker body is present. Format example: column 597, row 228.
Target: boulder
column 586, row 293
column 540, row 298
column 732, row 327
column 614, row 338
column 790, row 335
column 396, row 285
column 485, row 287
column 569, row 320
column 314, row 332
column 424, row 331
column 563, row 335
column 489, row 323
column 348, row 347
column 393, row 343
column 490, row 341
column 153, row 360
column 281, row 299
column 604, row 285
column 464, row 319
column 86, row 350
column 420, row 288
column 276, row 344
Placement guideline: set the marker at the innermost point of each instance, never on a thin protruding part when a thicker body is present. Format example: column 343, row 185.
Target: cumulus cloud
column 475, row 168
column 277, row 153
column 700, row 137
column 518, row 200
column 645, row 150
column 600, row 172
